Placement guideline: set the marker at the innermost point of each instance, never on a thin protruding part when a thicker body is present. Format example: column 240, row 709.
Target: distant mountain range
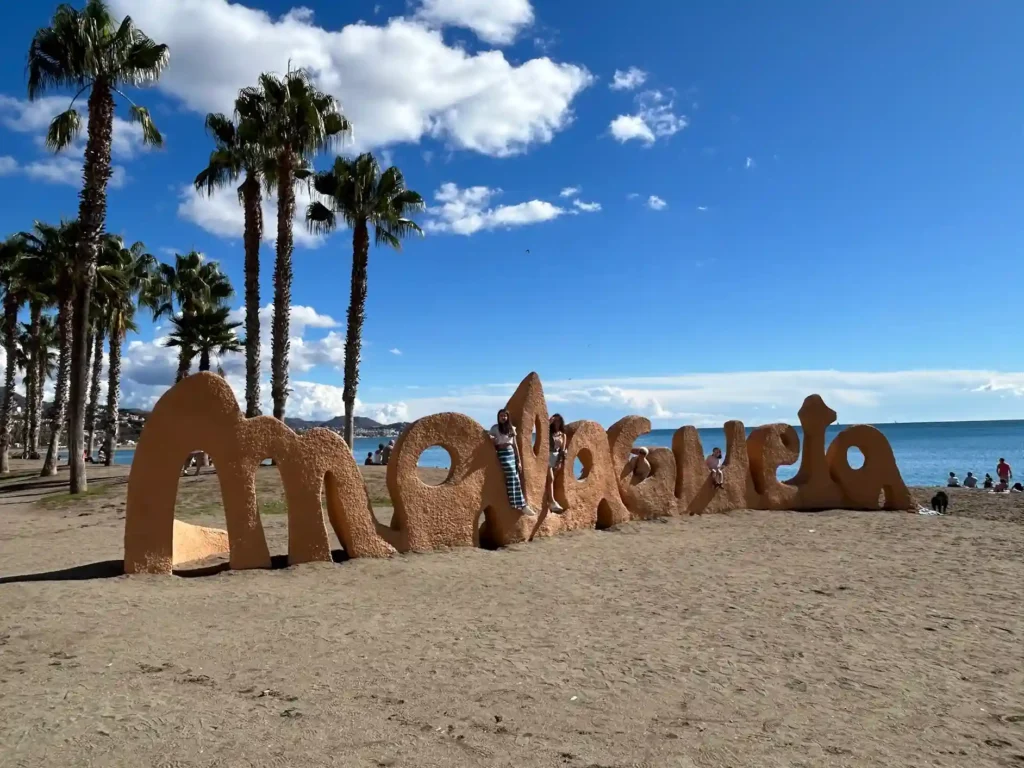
column 361, row 423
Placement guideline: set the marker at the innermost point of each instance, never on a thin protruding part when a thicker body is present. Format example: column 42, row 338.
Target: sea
column 925, row 452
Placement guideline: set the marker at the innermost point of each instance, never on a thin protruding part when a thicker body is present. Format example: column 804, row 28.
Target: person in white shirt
column 714, row 464
column 503, row 434
column 639, row 465
column 954, row 481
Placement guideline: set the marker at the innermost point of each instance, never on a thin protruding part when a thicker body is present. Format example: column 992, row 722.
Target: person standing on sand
column 503, row 435
column 1004, row 471
column 714, row 464
column 556, row 458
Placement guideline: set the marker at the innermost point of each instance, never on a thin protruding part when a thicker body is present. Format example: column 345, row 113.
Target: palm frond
column 320, row 219
column 150, row 133
column 64, row 129
column 143, row 62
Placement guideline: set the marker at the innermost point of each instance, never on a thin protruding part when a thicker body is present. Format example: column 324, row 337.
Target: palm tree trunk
column 65, row 323
column 204, row 360
column 92, row 214
column 356, row 316
column 184, row 364
column 7, row 409
column 94, row 394
column 37, row 421
column 282, row 284
column 113, row 393
column 251, row 197
column 32, row 381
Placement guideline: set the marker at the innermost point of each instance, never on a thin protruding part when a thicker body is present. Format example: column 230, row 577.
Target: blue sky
column 761, row 200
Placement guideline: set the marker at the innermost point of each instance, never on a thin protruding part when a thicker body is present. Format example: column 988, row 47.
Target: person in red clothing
column 1004, row 471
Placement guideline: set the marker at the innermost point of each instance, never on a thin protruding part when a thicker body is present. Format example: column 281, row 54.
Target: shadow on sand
column 109, row 569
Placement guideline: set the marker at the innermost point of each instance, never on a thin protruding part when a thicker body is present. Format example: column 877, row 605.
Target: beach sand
column 753, row 638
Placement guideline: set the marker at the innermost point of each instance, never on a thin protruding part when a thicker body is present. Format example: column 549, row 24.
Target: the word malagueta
column 201, row 413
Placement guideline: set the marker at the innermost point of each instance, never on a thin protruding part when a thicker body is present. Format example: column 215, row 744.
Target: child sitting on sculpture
column 503, row 434
column 639, row 466
column 714, row 464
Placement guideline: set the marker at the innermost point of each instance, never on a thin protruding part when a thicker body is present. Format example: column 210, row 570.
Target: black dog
column 940, row 501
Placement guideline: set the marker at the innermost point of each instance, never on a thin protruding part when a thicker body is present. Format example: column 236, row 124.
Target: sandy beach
column 754, row 638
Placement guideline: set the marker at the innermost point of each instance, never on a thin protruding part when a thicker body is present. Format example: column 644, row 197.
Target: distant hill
column 361, row 423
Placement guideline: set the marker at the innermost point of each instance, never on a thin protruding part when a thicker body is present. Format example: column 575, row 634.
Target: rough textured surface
column 768, row 448
column 654, row 496
column 430, row 517
column 470, row 508
column 201, row 413
column 593, row 499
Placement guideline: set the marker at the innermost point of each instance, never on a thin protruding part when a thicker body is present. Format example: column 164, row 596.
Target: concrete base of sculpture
column 470, row 507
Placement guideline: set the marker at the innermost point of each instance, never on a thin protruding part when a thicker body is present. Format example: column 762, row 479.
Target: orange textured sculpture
column 470, row 507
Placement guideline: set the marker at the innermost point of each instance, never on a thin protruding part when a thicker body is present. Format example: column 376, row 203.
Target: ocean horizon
column 926, row 452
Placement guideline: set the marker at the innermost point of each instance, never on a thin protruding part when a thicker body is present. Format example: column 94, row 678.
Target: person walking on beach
column 714, row 463
column 556, row 457
column 1004, row 471
column 503, row 434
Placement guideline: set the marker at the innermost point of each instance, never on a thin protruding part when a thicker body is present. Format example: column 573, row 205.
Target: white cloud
column 587, row 207
column 8, row 165
column 653, row 120
column 493, row 21
column 632, row 195
column 466, row 211
column 702, row 208
column 655, row 203
column 65, row 169
column 627, row 127
column 629, row 80
column 399, row 82
column 750, row 163
column 395, row 351
column 221, row 214
column 570, row 192
column 33, row 117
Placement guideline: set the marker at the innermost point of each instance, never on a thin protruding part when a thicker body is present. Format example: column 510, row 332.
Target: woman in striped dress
column 503, row 434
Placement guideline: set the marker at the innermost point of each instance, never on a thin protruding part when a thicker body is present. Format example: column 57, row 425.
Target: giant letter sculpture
column 201, row 413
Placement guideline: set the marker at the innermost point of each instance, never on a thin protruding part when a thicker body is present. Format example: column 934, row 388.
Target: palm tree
column 87, row 50
column 110, row 283
column 56, row 248
column 362, row 196
column 138, row 270
column 36, row 281
column 231, row 159
column 25, row 363
column 205, row 333
column 292, row 120
column 196, row 285
column 12, row 251
column 44, row 365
